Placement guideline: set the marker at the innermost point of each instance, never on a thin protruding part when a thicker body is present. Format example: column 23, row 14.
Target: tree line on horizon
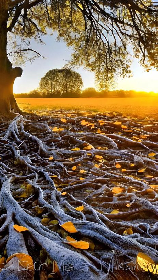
column 66, row 83
column 90, row 93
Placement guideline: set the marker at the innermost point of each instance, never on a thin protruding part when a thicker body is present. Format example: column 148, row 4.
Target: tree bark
column 7, row 73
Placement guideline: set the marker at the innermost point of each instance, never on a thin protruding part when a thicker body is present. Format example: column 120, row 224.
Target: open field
column 141, row 107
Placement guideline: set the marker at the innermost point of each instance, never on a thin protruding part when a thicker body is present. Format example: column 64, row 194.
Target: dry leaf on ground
column 69, row 226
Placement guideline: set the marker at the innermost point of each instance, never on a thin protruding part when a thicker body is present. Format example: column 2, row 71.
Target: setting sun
column 146, row 81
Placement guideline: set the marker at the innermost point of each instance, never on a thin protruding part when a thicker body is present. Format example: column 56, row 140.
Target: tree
column 89, row 92
column 100, row 32
column 61, row 83
column 44, row 203
column 112, row 30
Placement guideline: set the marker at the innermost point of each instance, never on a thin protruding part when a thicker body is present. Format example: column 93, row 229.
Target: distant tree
column 34, row 94
column 61, row 83
column 89, row 92
column 104, row 93
column 120, row 93
column 21, row 95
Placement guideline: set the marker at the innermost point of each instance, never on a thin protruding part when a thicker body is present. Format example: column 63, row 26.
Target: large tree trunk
column 7, row 73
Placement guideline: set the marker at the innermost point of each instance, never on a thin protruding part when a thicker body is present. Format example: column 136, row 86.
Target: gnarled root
column 46, row 173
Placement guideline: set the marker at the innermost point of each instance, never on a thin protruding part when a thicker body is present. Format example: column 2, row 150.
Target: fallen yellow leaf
column 19, row 228
column 88, row 147
column 123, row 126
column 51, row 158
column 134, row 137
column 74, row 168
column 45, row 221
column 128, row 130
column 128, row 205
column 143, row 136
column 98, row 157
column 128, row 231
column 55, row 129
column 117, row 165
column 115, row 211
column 54, row 222
column 151, row 154
column 24, row 260
column 101, row 121
column 149, row 190
column 146, row 263
column 69, row 226
column 141, row 170
column 2, row 263
column 75, row 149
column 39, row 210
column 117, row 190
column 64, row 193
column 59, row 189
column 117, row 123
column 83, row 122
column 80, row 208
column 154, row 186
column 77, row 244
column 63, row 120
column 83, row 171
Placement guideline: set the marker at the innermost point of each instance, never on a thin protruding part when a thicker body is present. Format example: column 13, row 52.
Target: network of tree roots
column 51, row 165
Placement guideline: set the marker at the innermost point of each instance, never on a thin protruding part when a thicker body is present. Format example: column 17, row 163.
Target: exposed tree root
column 49, row 166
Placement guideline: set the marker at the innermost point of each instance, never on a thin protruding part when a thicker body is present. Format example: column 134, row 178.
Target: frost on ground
column 84, row 187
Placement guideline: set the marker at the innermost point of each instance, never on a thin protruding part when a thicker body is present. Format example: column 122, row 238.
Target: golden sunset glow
column 147, row 81
column 141, row 81
column 143, row 107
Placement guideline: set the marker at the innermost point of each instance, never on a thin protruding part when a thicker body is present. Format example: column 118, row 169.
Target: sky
column 56, row 55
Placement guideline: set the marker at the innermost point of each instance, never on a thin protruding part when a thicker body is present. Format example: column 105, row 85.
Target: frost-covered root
column 81, row 268
column 101, row 172
column 90, row 229
column 97, row 230
column 13, row 268
column 16, row 127
column 13, row 129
